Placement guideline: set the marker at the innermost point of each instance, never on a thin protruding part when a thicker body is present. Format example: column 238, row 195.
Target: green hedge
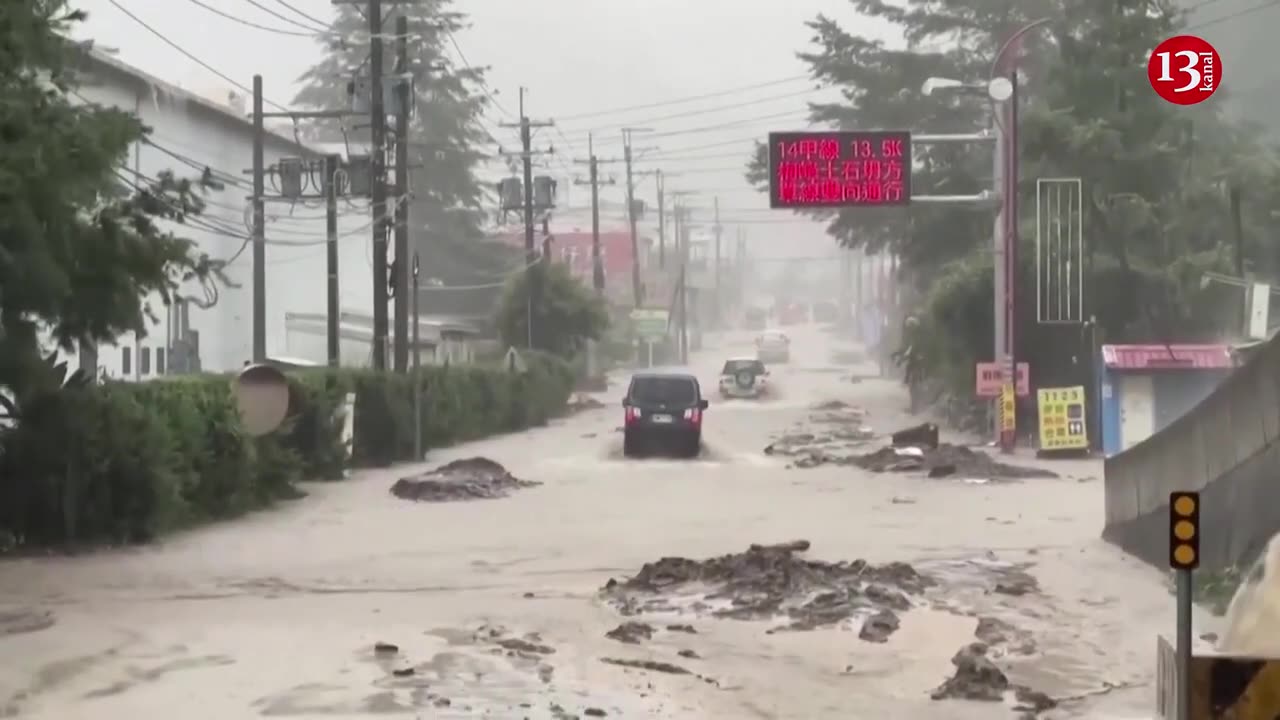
column 126, row 462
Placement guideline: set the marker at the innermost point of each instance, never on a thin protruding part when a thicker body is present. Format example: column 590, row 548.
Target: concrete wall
column 1228, row 448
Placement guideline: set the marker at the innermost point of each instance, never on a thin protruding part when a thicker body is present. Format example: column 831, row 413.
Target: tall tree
column 447, row 138
column 566, row 317
column 1164, row 185
column 82, row 244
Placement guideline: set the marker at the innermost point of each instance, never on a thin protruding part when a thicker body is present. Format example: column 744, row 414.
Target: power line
column 686, row 99
column 793, row 114
column 188, row 54
column 702, row 111
column 250, row 23
column 323, row 24
column 1234, row 15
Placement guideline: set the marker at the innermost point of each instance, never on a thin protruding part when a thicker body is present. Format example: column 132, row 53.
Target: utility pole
column 631, row 219
column 378, row 120
column 718, row 230
column 628, row 158
column 333, row 311
column 417, row 363
column 401, row 266
column 662, row 223
column 530, row 248
column 680, row 215
column 593, row 165
column 296, row 180
column 846, row 280
column 259, row 230
column 1009, row 432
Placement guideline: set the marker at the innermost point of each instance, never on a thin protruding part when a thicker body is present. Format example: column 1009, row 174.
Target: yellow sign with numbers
column 1062, row 418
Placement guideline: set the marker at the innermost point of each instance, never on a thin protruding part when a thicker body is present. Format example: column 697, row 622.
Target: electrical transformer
column 511, row 193
column 291, row 170
column 544, row 192
column 359, row 175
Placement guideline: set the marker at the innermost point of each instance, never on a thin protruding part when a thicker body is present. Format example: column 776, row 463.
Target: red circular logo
column 1185, row 70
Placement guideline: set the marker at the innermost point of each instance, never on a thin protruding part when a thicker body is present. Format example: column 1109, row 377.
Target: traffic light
column 1184, row 530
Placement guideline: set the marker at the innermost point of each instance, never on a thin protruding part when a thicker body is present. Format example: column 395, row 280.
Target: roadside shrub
column 127, row 462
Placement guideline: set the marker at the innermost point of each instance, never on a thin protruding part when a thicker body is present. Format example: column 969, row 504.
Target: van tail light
column 693, row 415
column 633, row 414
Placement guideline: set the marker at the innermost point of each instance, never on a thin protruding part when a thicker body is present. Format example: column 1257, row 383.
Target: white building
column 190, row 133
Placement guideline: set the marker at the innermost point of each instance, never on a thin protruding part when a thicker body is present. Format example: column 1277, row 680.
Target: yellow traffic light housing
column 1184, row 530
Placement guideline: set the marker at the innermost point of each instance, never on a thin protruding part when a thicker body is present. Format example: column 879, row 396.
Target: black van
column 663, row 411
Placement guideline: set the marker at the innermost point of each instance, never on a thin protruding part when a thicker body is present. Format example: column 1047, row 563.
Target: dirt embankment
column 474, row 478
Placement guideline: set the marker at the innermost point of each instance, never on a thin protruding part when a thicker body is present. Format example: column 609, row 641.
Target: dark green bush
column 126, row 462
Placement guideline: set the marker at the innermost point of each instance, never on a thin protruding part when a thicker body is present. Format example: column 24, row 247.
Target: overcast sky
column 576, row 57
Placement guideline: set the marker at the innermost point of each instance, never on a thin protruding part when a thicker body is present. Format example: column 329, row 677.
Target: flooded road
column 494, row 609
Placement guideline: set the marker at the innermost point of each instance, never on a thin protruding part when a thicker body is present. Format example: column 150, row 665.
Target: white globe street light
column 1000, row 89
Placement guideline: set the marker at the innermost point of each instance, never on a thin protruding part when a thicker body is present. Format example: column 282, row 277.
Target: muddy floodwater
column 354, row 602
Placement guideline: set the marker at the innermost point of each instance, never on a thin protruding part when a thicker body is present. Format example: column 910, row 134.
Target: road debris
column 28, row 620
column 654, row 665
column 879, row 626
column 945, row 461
column 474, row 478
column 837, row 443
column 977, row 678
column 631, row 632
column 994, row 632
column 770, row 582
column 924, row 435
column 581, row 402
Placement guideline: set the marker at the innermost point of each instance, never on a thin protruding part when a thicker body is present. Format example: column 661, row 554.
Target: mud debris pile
column 836, row 431
column 474, row 478
column 946, row 460
column 581, row 403
column 836, row 434
column 772, row 582
column 977, row 678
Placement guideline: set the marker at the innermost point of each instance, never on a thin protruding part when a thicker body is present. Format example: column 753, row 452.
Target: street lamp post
column 1000, row 91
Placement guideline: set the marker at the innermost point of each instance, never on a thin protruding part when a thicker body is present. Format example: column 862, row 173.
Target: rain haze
column 623, row 54
column 545, row 412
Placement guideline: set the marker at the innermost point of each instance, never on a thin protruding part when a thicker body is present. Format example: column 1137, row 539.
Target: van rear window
column 664, row 391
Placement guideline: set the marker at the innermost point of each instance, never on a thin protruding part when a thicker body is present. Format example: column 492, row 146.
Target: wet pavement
column 496, row 608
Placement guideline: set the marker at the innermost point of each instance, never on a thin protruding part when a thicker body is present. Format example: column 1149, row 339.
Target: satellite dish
column 1000, row 89
column 262, row 398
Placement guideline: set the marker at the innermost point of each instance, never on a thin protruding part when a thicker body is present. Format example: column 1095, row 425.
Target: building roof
column 102, row 64
column 1168, row 357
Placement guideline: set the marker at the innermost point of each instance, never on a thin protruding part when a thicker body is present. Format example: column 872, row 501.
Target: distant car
column 792, row 314
column 743, row 378
column 756, row 319
column 773, row 347
column 663, row 412
column 826, row 312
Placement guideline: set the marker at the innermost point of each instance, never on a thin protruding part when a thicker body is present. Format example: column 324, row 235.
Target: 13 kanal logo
column 1185, row 70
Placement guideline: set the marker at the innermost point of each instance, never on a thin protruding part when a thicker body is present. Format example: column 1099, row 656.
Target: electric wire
column 686, row 99
column 694, row 113
column 188, row 54
column 250, row 23
column 324, row 27
column 1233, row 15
